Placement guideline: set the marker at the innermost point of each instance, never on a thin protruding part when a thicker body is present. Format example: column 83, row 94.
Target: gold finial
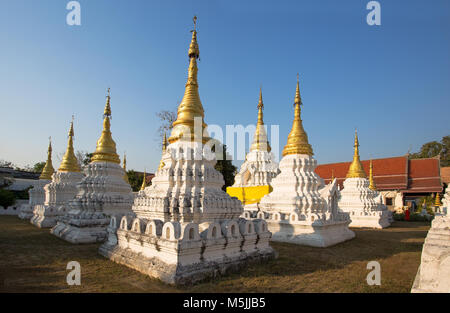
column 260, row 141
column 195, row 22
column 297, row 142
column 437, row 201
column 190, row 106
column 125, row 177
column 371, row 181
column 106, row 147
column 143, row 182
column 332, row 175
column 356, row 169
column 164, row 148
column 69, row 162
column 48, row 169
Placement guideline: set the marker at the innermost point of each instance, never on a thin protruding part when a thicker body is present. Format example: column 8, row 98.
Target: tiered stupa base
column 297, row 212
column 185, row 253
column 57, row 194
column 102, row 194
column 434, row 270
column 37, row 196
column 363, row 205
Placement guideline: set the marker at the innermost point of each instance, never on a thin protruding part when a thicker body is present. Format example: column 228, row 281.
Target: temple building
column 300, row 209
column 359, row 197
column 186, row 228
column 61, row 190
column 37, row 193
column 398, row 179
column 103, row 192
column 252, row 182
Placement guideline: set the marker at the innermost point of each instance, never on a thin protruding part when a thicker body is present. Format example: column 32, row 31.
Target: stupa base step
column 43, row 221
column 309, row 234
column 370, row 221
column 183, row 275
column 79, row 232
column 26, row 212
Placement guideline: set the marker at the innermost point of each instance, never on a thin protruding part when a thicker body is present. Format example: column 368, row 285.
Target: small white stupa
column 259, row 168
column 434, row 270
column 37, row 193
column 186, row 228
column 61, row 190
column 299, row 210
column 102, row 192
column 359, row 197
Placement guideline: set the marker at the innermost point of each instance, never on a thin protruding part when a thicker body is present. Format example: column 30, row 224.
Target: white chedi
column 359, row 199
column 185, row 227
column 102, row 193
column 37, row 193
column 433, row 274
column 61, row 190
column 296, row 211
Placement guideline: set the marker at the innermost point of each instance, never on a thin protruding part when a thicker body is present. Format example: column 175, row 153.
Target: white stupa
column 61, row 190
column 434, row 270
column 37, row 193
column 298, row 210
column 186, row 227
column 359, row 198
column 259, row 168
column 103, row 192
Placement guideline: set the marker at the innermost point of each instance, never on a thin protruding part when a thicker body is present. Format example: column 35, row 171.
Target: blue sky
column 390, row 81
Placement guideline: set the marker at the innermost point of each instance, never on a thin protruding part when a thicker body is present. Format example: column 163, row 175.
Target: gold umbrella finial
column 371, row 181
column 356, row 169
column 297, row 142
column 106, row 147
column 143, row 182
column 260, row 141
column 48, row 169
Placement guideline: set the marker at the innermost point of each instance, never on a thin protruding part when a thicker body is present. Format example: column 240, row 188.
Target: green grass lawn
column 33, row 260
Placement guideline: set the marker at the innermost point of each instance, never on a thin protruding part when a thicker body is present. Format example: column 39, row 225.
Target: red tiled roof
column 396, row 173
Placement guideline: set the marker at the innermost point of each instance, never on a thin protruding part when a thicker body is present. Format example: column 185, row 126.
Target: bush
column 413, row 217
column 7, row 198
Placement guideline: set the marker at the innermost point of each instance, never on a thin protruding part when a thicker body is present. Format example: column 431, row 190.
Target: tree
column 433, row 148
column 226, row 167
column 86, row 158
column 167, row 118
column 135, row 180
column 38, row 167
column 4, row 163
column 7, row 198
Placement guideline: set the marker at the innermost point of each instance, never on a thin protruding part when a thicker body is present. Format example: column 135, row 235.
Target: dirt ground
column 33, row 260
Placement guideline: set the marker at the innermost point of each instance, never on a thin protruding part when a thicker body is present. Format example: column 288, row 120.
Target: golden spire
column 164, row 147
column 371, row 181
column 143, row 182
column 437, row 201
column 106, row 147
column 69, row 162
column 332, row 175
column 191, row 106
column 125, row 177
column 48, row 169
column 297, row 142
column 260, row 141
column 356, row 169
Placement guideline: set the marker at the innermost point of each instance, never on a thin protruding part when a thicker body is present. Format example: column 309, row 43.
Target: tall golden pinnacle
column 106, row 147
column 332, row 175
column 125, row 177
column 297, row 142
column 371, row 181
column 69, row 162
column 260, row 141
column 356, row 169
column 48, row 169
column 164, row 148
column 191, row 106
column 143, row 182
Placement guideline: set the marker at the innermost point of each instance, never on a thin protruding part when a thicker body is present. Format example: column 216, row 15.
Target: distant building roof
column 10, row 172
column 395, row 173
